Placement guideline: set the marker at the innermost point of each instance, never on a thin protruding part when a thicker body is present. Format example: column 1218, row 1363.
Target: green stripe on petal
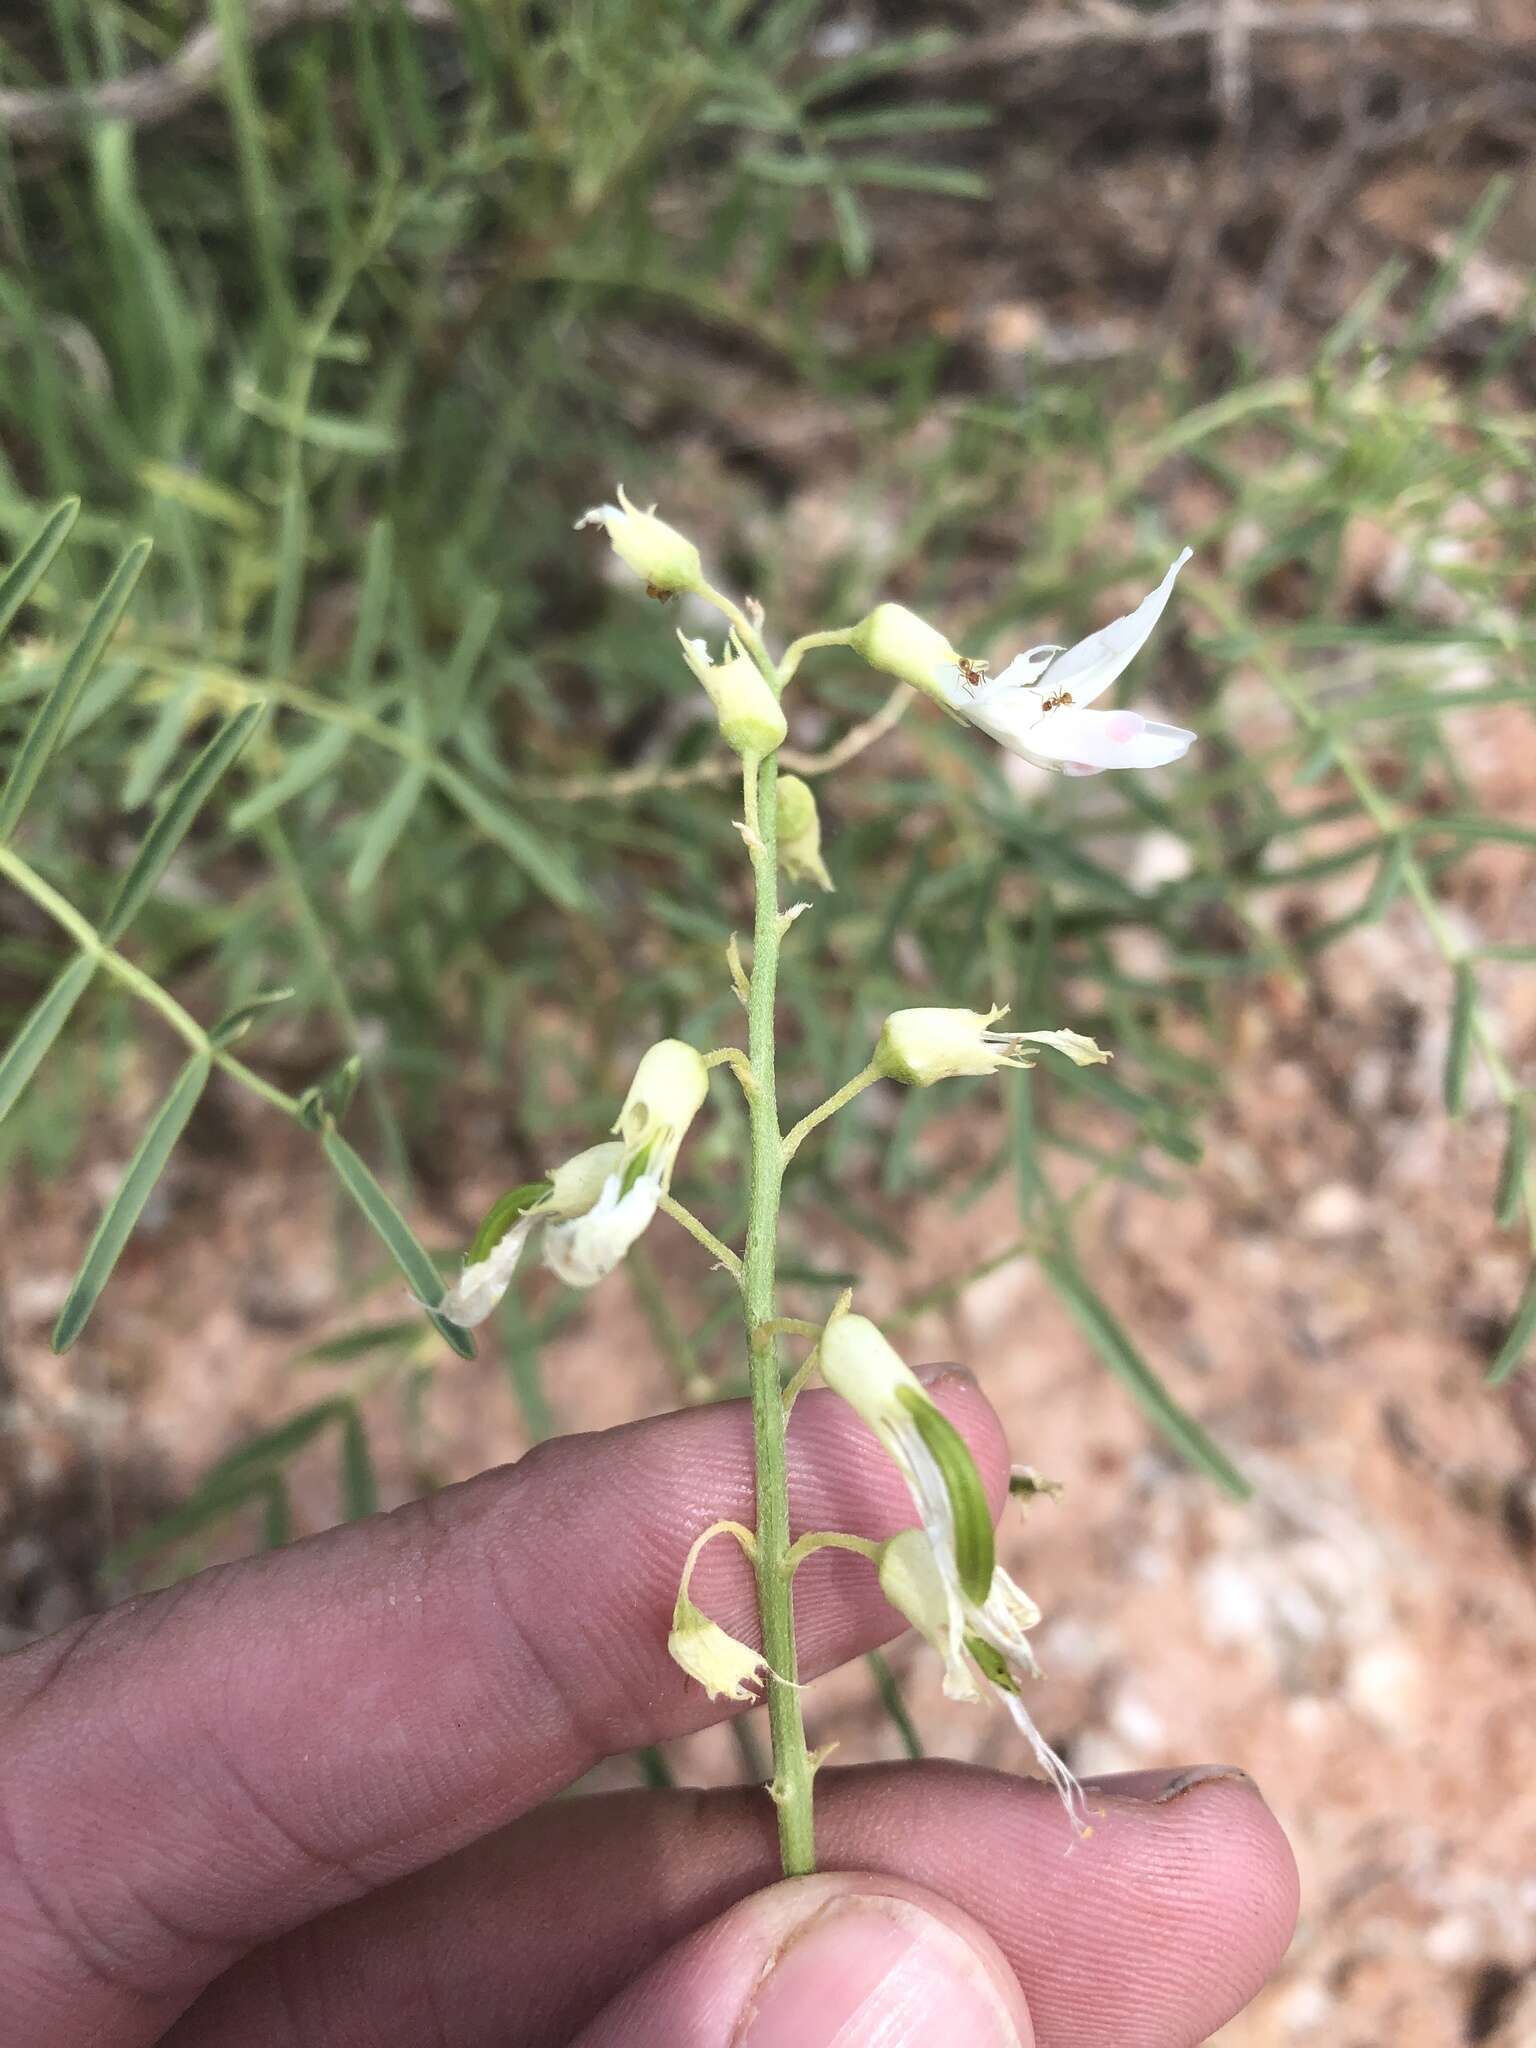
column 975, row 1554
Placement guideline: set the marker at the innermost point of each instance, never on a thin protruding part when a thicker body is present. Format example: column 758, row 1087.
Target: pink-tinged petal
column 1084, row 742
column 1088, row 669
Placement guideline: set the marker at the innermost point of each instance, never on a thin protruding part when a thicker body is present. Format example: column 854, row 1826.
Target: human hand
column 307, row 1801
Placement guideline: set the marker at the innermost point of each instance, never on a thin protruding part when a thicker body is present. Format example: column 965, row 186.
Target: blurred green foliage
column 355, row 336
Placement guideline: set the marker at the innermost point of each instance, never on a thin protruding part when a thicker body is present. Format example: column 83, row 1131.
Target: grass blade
column 1459, row 1046
column 123, row 1211
column 53, row 713
column 26, row 1051
column 1507, row 1201
column 1522, row 1332
column 385, row 827
column 175, row 820
column 1093, row 1318
column 396, row 1236
column 31, row 565
column 528, row 847
column 359, row 1487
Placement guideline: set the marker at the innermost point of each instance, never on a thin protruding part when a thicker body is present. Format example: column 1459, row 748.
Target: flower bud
column 751, row 718
column 800, row 833
column 725, row 1667
column 898, row 641
column 666, row 1094
column 919, row 1047
column 666, row 559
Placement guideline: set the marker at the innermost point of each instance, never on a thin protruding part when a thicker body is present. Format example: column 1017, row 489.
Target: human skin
column 307, row 1800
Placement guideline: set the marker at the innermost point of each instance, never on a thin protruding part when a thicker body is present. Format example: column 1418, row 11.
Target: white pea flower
column 666, row 559
column 493, row 1257
column 943, row 1576
column 919, row 1047
column 669, row 1086
column 984, row 1644
column 1037, row 706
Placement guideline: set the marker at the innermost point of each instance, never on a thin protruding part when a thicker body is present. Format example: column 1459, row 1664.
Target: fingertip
column 821, row 1961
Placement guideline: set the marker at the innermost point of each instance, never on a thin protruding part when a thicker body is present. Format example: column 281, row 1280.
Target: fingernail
column 1156, row 1788
column 878, row 1969
column 948, row 1373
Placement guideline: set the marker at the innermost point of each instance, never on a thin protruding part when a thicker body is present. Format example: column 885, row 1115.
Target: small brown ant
column 1055, row 703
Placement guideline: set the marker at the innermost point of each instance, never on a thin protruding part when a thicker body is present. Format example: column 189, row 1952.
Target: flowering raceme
column 1037, row 706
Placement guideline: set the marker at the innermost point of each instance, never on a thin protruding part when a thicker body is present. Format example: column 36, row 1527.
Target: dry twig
column 159, row 91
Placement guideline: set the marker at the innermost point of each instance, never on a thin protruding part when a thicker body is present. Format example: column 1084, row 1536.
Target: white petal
column 1072, row 1796
column 1088, row 669
column 1090, row 740
column 587, row 1249
column 483, row 1284
column 1024, row 671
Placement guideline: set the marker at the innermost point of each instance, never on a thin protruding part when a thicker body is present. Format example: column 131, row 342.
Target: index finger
column 204, row 1768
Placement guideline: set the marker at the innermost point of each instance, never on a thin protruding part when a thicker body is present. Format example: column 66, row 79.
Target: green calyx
column 975, row 1549
column 991, row 1663
column 502, row 1215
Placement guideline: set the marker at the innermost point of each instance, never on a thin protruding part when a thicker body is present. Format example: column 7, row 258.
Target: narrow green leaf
column 531, row 849
column 397, row 1237
column 1521, row 1334
column 385, row 827
column 1127, row 1364
column 123, row 1211
column 153, row 755
column 258, row 1454
column 44, row 1022
column 1510, row 1198
column 303, row 767
column 1459, row 1046
column 31, row 565
column 895, row 1706
column 58, row 703
column 277, row 1516
column 350, row 1344
column 214, row 1501
column 175, row 820
column 359, row 1487
column 235, row 1023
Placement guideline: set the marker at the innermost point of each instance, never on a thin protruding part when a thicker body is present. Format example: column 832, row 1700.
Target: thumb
column 825, row 1962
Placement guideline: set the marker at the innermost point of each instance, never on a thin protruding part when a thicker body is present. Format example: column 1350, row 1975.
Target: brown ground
column 1324, row 1291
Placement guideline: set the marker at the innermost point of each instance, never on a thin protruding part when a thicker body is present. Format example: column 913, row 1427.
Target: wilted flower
column 493, row 1257
column 751, row 718
column 800, row 833
column 919, row 1047
column 669, row 1086
column 943, row 1576
column 726, row 1667
column 983, row 1644
column 1037, row 706
column 666, row 559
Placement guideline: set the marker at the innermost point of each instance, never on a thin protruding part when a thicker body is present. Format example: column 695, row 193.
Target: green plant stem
column 90, row 942
column 792, row 1767
column 866, row 1078
column 703, row 1234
